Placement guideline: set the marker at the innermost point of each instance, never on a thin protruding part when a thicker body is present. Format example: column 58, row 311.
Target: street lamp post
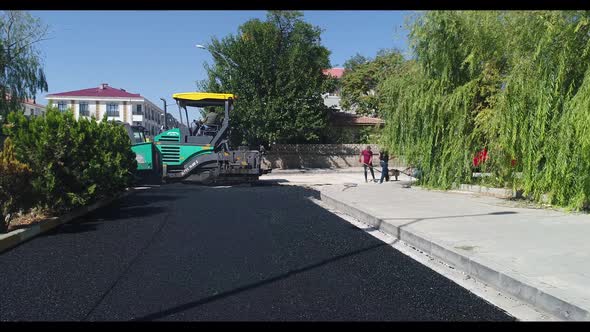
column 230, row 63
column 165, row 114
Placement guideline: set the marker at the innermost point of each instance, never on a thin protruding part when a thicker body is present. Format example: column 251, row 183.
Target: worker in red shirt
column 367, row 159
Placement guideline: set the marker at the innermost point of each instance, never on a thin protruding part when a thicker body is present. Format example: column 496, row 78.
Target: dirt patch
column 24, row 220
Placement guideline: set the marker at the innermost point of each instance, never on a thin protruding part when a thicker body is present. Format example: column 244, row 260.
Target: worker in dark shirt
column 384, row 161
column 210, row 120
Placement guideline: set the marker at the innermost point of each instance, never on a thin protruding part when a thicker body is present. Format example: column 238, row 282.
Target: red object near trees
column 480, row 157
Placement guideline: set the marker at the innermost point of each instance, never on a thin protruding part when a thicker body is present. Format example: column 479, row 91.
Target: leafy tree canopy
column 275, row 69
column 362, row 77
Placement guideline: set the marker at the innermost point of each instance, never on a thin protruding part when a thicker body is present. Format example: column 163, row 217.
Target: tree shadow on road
column 203, row 301
column 92, row 221
column 137, row 206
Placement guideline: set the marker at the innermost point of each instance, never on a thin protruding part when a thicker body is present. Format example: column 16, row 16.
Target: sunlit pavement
column 185, row 252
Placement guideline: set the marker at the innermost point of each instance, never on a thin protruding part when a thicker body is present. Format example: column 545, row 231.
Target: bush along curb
column 19, row 236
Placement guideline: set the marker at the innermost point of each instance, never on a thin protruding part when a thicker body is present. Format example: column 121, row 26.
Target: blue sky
column 153, row 52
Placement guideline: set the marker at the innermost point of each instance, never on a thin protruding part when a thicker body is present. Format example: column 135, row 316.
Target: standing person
column 367, row 159
column 384, row 161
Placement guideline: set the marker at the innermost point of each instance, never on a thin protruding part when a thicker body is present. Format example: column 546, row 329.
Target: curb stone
column 497, row 192
column 488, row 191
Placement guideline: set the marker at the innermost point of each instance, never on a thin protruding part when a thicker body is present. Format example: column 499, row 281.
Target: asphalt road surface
column 185, row 252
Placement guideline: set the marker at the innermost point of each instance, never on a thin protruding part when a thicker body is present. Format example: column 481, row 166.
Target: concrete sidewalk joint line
column 461, row 259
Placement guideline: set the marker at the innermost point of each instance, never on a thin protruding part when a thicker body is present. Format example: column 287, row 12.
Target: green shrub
column 14, row 184
column 73, row 162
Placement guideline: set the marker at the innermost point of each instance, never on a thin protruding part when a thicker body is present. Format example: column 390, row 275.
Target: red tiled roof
column 32, row 102
column 104, row 90
column 367, row 120
column 334, row 72
column 341, row 118
column 25, row 101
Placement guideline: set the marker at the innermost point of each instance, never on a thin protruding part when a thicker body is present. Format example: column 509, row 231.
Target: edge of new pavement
column 18, row 236
column 485, row 272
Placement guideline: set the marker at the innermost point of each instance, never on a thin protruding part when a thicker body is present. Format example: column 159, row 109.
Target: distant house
column 31, row 108
column 116, row 104
column 351, row 128
column 345, row 125
column 332, row 99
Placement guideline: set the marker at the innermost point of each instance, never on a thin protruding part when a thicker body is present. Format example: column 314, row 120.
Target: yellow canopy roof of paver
column 202, row 96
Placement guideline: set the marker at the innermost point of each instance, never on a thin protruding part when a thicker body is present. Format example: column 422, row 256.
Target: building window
column 62, row 106
column 84, row 109
column 113, row 110
column 137, row 110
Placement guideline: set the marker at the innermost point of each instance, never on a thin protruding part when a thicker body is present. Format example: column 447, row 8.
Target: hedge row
column 64, row 163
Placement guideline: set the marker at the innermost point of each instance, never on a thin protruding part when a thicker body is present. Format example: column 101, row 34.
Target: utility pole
column 165, row 114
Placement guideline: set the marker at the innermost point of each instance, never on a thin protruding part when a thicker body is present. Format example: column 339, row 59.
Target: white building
column 332, row 99
column 117, row 104
column 31, row 108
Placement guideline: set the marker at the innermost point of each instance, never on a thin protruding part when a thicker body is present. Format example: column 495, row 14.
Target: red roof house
column 103, row 90
column 334, row 72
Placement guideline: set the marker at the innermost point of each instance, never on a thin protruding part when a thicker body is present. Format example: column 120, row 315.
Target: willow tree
column 21, row 72
column 516, row 83
column 432, row 102
column 543, row 113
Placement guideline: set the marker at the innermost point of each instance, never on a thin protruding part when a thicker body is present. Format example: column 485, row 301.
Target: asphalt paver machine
column 205, row 156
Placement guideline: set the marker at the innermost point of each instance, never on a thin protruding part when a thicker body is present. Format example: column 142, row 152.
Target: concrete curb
column 16, row 237
column 492, row 275
column 495, row 192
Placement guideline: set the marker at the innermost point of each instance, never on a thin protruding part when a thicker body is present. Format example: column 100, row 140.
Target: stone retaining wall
column 295, row 156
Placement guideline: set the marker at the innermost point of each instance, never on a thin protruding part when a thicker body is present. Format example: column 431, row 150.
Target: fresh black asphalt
column 185, row 252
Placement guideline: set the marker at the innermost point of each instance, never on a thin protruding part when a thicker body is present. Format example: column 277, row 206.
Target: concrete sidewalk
column 540, row 256
column 321, row 176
